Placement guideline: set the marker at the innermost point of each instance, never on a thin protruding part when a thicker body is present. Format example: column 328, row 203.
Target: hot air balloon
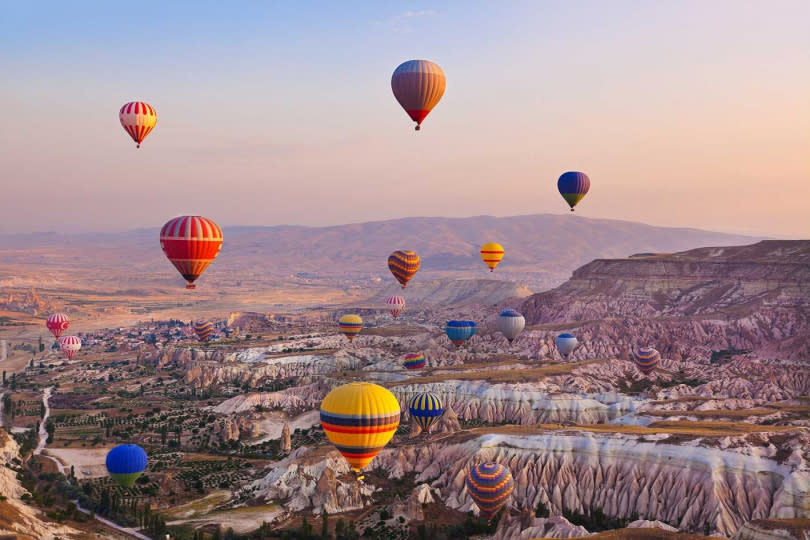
column 418, row 86
column 459, row 331
column 426, row 409
column 492, row 253
column 489, row 484
column 573, row 186
column 70, row 345
column 191, row 243
column 403, row 264
column 646, row 359
column 396, row 305
column 359, row 418
column 57, row 323
column 511, row 324
column 126, row 463
column 350, row 325
column 204, row 330
column 414, row 361
column 138, row 119
column 565, row 343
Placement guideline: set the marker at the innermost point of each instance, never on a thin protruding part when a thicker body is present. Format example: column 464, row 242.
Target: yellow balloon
column 359, row 418
column 492, row 253
column 350, row 325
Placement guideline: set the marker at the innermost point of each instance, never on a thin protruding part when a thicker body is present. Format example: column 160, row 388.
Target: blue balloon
column 573, row 186
column 126, row 462
column 459, row 331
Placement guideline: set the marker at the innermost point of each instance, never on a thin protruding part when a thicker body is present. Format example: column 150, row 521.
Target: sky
column 682, row 113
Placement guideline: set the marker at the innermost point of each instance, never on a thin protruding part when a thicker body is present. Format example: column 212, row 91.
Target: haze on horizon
column 687, row 114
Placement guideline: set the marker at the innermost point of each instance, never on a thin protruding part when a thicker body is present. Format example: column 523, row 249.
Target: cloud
column 401, row 21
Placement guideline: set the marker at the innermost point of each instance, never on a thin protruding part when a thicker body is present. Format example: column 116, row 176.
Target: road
column 43, row 433
column 43, row 441
column 112, row 524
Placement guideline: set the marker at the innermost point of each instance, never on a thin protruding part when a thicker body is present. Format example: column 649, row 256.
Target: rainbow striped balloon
column 204, row 330
column 573, row 186
column 646, row 359
column 426, row 409
column 403, row 264
column 490, row 484
column 359, row 418
column 491, row 254
column 414, row 361
column 350, row 326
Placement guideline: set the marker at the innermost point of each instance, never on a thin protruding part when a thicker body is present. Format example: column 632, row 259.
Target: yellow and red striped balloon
column 403, row 264
column 350, row 326
column 359, row 418
column 138, row 119
column 491, row 254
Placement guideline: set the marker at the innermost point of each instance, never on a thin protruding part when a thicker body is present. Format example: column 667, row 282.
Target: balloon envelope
column 57, row 323
column 414, row 361
column 418, row 85
column 426, row 409
column 350, row 325
column 70, row 345
column 489, row 484
column 646, row 359
column 204, row 330
column 403, row 264
column 565, row 343
column 491, row 254
column 359, row 419
column 191, row 243
column 396, row 305
column 459, row 331
column 511, row 324
column 138, row 119
column 573, row 186
column 126, row 463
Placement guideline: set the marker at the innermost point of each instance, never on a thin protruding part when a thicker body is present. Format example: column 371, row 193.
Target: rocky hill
column 751, row 298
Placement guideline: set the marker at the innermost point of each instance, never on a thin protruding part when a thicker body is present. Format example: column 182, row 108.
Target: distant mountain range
column 541, row 250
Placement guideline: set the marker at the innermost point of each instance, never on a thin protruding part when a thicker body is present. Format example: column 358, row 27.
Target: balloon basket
column 191, row 286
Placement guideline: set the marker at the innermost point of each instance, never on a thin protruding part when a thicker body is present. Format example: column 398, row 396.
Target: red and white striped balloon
column 191, row 243
column 70, row 345
column 57, row 323
column 138, row 119
column 396, row 305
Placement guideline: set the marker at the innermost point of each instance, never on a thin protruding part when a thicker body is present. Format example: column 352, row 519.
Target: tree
column 325, row 525
column 4, row 377
column 541, row 510
column 305, row 530
column 41, row 345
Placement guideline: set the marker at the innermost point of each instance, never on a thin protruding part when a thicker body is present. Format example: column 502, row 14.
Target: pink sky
column 683, row 113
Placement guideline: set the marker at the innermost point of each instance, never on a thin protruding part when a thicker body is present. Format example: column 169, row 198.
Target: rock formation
column 286, row 444
column 17, row 519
